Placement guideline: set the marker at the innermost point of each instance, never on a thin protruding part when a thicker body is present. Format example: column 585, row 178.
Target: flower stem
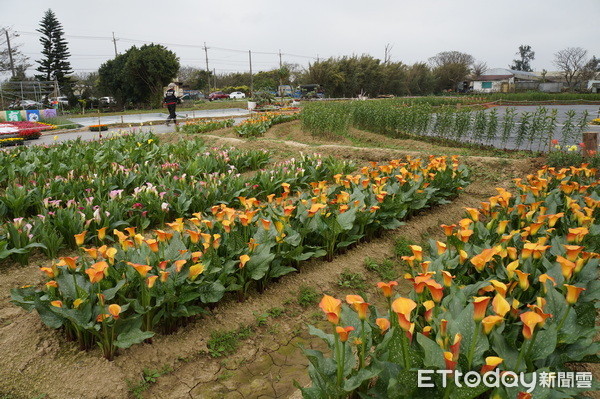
column 471, row 352
column 363, row 346
column 403, row 343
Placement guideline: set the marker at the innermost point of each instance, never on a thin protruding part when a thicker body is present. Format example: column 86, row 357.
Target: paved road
column 159, row 128
column 151, row 117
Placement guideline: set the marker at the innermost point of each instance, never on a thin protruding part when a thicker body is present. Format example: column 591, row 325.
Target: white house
column 501, row 80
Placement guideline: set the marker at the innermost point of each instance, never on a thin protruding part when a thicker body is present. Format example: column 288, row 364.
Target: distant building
column 502, row 80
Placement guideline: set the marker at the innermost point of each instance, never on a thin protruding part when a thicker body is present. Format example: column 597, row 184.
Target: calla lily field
column 514, row 287
column 119, row 247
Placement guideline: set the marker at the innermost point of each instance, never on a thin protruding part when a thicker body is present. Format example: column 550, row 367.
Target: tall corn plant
column 523, row 129
column 479, row 126
column 508, row 125
column 321, row 117
column 538, row 120
column 492, row 127
column 568, row 128
column 462, row 124
column 582, row 123
column 550, row 129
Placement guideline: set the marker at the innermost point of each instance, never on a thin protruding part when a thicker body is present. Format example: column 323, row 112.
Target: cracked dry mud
column 37, row 361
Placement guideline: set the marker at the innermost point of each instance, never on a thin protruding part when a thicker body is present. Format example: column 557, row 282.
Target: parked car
column 25, row 104
column 217, row 95
column 193, row 96
column 107, row 100
column 64, row 101
column 237, row 94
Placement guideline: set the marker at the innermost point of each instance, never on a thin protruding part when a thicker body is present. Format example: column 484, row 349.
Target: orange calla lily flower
column 110, row 255
column 332, row 308
column 448, row 229
column 573, row 251
column 141, row 269
column 344, row 332
column 383, row 324
column 102, row 233
column 428, row 305
column 530, row 321
column 387, row 288
column 403, row 308
column 52, row 284
column 163, row 236
column 163, row 276
column 121, row 236
column 69, row 261
column 194, row 236
column 80, row 238
column 96, row 271
column 491, row 362
column 447, row 278
column 417, row 252
column 152, row 244
column 566, row 267
column 114, row 310
column 266, row 224
column 511, row 267
column 179, row 264
column 480, row 305
column 450, row 364
column 50, row 272
column 177, row 225
column 573, row 293
column 243, row 260
column 56, row 304
column 577, row 234
column 500, row 305
column 359, row 304
column 480, row 260
column 489, row 322
column 523, row 280
column 441, row 247
column 92, row 252
column 150, row 280
column 195, row 271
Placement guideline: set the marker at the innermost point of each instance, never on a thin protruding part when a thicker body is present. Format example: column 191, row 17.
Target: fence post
column 590, row 143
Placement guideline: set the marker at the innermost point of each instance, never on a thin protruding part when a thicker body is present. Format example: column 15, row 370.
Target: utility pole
column 12, row 65
column 251, row 78
column 207, row 69
column 215, row 77
column 115, row 44
column 280, row 71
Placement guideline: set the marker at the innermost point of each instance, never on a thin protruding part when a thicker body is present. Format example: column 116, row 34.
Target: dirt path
column 37, row 361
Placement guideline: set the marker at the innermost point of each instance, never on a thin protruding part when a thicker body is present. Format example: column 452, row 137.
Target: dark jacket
column 170, row 97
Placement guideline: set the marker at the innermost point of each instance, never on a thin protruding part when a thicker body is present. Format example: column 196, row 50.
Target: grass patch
column 307, row 296
column 62, row 123
column 386, row 269
column 149, row 377
column 402, row 247
column 223, row 343
column 351, row 280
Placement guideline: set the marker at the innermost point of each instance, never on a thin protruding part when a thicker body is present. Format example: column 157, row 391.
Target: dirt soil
column 38, row 362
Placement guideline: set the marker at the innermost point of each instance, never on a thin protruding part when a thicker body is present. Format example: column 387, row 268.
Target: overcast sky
column 417, row 30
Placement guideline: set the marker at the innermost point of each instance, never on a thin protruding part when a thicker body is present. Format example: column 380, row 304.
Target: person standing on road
column 171, row 100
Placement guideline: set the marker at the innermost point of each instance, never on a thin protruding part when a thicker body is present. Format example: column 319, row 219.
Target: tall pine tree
column 55, row 62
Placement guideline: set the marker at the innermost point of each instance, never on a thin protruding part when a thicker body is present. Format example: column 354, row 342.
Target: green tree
column 420, row 80
column 526, row 55
column 139, row 75
column 450, row 68
column 55, row 62
column 20, row 62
